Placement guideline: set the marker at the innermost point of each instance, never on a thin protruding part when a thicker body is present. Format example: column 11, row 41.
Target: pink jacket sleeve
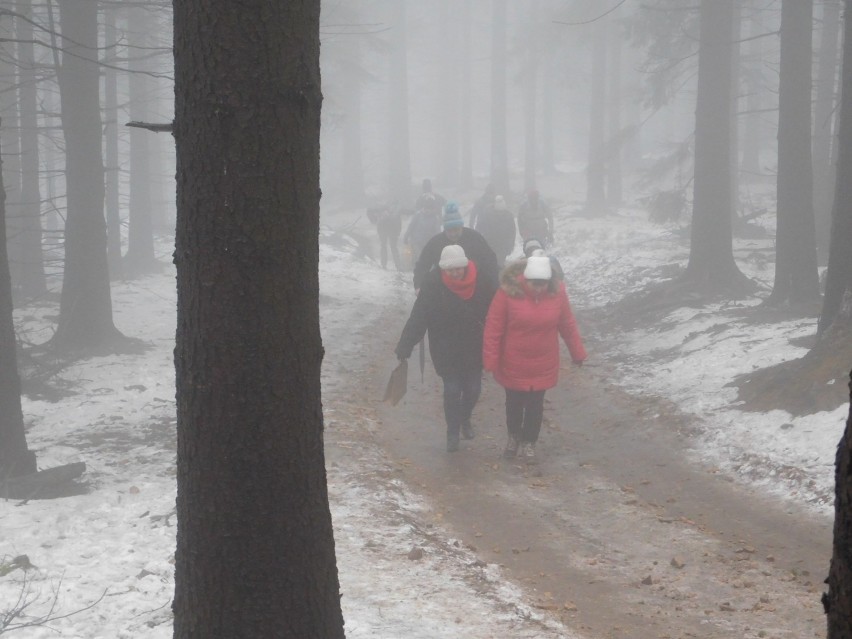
column 495, row 327
column 568, row 329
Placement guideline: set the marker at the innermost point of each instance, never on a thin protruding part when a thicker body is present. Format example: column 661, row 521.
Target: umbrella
column 397, row 384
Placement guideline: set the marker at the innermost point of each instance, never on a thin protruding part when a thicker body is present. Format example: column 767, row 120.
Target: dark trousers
column 461, row 392
column 388, row 237
column 524, row 411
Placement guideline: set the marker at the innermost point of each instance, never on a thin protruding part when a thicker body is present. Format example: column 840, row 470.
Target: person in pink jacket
column 528, row 314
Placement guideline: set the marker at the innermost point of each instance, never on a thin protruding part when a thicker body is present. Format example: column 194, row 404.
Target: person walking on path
column 527, row 316
column 388, row 223
column 423, row 225
column 451, row 307
column 474, row 245
column 497, row 225
column 535, row 219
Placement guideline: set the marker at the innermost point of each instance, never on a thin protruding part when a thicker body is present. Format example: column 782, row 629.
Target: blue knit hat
column 452, row 217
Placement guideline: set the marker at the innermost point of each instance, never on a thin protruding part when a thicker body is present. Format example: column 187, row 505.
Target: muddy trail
column 617, row 529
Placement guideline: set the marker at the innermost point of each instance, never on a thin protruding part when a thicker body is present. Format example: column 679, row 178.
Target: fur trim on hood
column 512, row 279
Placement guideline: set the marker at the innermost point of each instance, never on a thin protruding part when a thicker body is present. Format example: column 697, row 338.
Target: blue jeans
column 461, row 392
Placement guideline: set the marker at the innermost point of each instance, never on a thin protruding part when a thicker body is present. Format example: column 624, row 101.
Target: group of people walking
column 479, row 315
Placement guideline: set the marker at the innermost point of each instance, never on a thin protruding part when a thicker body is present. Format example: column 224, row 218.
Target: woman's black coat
column 455, row 325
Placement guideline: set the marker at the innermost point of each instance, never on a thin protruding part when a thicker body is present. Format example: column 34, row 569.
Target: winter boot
column 527, row 452
column 452, row 443
column 511, row 448
column 467, row 430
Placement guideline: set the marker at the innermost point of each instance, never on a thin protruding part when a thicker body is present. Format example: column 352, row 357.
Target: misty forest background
column 690, row 110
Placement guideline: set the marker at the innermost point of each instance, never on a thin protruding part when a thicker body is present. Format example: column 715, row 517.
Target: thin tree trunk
column 466, row 167
column 112, row 196
column 499, row 142
column 596, row 171
column 531, row 101
column 616, row 135
column 255, row 551
column 399, row 154
column 32, row 280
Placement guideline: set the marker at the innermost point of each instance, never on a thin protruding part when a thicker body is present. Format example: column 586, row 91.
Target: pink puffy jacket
column 521, row 339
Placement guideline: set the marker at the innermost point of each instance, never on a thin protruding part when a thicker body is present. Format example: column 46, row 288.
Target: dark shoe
column 452, row 443
column 527, row 452
column 511, row 448
column 467, row 430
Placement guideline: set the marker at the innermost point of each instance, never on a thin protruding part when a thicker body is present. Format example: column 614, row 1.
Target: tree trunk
column 139, row 258
column 112, row 186
column 11, row 141
column 531, row 101
column 796, row 274
column 499, row 142
column 15, row 458
column 399, row 186
column 447, row 96
column 353, row 164
column 31, row 279
column 838, row 599
column 465, row 135
column 255, row 551
column 616, row 135
column 596, row 171
column 839, row 274
column 752, row 139
column 85, row 311
column 824, row 123
column 711, row 266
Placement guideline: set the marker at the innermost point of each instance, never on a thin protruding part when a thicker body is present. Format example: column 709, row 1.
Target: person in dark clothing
column 484, row 203
column 451, row 307
column 474, row 245
column 535, row 219
column 427, row 193
column 388, row 223
column 497, row 226
column 424, row 224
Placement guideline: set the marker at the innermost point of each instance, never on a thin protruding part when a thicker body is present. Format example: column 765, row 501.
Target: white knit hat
column 452, row 257
column 538, row 268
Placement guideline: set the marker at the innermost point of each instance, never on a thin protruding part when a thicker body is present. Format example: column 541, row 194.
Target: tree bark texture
column 796, row 274
column 711, row 259
column 112, row 183
column 15, row 458
column 839, row 273
column 838, row 599
column 255, row 551
column 85, row 311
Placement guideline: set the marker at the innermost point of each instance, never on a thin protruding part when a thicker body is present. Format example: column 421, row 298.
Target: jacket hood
column 512, row 280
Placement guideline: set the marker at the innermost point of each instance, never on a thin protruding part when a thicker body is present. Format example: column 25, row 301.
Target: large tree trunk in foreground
column 15, row 458
column 255, row 551
column 838, row 599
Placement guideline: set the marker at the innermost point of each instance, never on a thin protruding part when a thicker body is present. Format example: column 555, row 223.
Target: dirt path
column 615, row 530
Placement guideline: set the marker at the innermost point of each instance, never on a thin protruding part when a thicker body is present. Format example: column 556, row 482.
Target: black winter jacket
column 455, row 325
column 476, row 249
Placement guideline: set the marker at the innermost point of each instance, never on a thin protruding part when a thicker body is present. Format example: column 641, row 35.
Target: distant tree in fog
column 499, row 166
column 796, row 275
column 596, row 167
column 255, row 551
column 85, row 312
column 837, row 302
column 15, row 458
column 399, row 150
column 711, row 266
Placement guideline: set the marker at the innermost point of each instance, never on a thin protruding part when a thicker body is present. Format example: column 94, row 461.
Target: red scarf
column 464, row 287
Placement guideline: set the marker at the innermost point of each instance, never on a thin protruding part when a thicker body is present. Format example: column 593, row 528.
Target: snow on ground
column 112, row 549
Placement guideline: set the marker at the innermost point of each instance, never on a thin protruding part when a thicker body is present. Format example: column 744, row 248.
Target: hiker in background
column 482, row 204
column 497, row 225
column 474, row 245
column 451, row 307
column 425, row 193
column 388, row 221
column 424, row 224
column 529, row 313
column 535, row 219
column 533, row 247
